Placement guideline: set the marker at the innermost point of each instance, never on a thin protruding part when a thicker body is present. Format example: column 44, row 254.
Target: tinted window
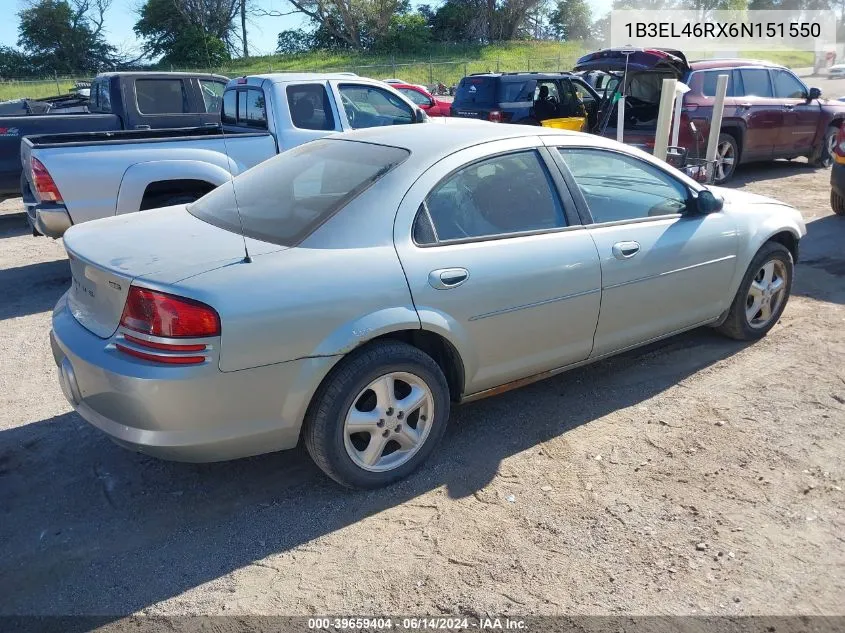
column 230, row 108
column 255, row 114
column 476, row 90
column 309, row 107
column 787, row 86
column 284, row 199
column 368, row 106
column 620, row 187
column 756, row 82
column 161, row 96
column 497, row 196
column 415, row 96
column 709, row 79
column 212, row 94
column 101, row 95
column 513, row 91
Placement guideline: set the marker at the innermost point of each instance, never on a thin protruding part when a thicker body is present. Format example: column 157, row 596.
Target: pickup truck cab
column 117, row 101
column 80, row 177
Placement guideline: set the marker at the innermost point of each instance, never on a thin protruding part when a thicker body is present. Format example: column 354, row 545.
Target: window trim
column 581, row 201
column 566, row 203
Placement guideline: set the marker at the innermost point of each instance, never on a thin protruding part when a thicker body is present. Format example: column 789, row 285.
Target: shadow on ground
column 14, row 225
column 33, row 288
column 88, row 527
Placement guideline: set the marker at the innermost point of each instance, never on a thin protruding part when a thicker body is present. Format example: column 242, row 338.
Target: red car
column 769, row 112
column 424, row 99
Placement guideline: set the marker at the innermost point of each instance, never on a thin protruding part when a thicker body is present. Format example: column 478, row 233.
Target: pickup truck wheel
column 825, row 154
column 378, row 415
column 727, row 157
column 762, row 295
column 837, row 203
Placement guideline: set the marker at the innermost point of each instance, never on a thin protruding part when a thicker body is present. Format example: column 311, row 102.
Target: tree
column 294, row 41
column 571, row 20
column 66, row 36
column 192, row 33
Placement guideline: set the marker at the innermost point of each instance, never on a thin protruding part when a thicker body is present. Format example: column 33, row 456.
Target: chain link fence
column 428, row 73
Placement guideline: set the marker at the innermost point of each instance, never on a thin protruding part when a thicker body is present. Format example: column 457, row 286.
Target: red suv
column 769, row 112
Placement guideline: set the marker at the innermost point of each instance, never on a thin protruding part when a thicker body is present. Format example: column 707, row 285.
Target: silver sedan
column 350, row 290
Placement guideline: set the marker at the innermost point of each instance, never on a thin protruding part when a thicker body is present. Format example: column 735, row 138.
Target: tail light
column 164, row 315
column 839, row 148
column 495, row 116
column 44, row 183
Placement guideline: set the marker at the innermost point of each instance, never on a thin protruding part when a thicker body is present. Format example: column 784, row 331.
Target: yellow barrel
column 574, row 123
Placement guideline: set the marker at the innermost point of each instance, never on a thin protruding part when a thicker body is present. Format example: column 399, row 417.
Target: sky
column 261, row 32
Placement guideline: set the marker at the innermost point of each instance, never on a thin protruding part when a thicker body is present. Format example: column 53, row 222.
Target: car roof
column 710, row 64
column 514, row 76
column 156, row 74
column 439, row 138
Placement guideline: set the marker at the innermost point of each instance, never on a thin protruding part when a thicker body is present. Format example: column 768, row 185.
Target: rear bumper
column 837, row 177
column 45, row 218
column 194, row 414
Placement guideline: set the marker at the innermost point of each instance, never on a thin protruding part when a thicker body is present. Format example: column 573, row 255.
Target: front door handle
column 445, row 278
column 625, row 250
column 788, row 106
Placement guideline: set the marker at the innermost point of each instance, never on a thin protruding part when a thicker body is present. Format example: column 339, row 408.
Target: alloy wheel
column 766, row 293
column 388, row 422
column 725, row 158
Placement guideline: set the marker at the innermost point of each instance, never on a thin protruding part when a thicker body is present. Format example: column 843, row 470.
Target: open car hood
column 638, row 59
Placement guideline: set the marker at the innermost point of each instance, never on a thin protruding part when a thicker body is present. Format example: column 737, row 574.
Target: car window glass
column 516, row 91
column 709, row 80
column 506, row 194
column 756, row 82
column 161, row 96
column 368, row 106
column 310, row 108
column 415, row 96
column 255, row 114
column 212, row 94
column 787, row 86
column 551, row 86
column 570, row 103
column 620, row 187
column 582, row 93
column 229, row 115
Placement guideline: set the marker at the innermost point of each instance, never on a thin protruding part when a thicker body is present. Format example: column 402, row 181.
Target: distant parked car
column 525, row 98
column 391, row 272
column 769, row 112
column 430, row 104
column 836, row 71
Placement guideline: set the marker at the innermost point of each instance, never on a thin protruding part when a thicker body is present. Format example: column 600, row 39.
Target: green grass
column 446, row 63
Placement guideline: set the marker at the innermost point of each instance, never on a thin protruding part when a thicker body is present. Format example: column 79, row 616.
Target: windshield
column 284, row 199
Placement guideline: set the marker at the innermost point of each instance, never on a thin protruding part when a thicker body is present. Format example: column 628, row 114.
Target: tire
column 728, row 143
column 341, row 454
column 837, row 203
column 824, row 157
column 738, row 324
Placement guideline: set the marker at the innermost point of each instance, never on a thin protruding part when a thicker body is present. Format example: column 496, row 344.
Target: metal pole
column 430, row 72
column 664, row 118
column 680, row 91
column 716, row 123
column 620, row 118
column 465, row 69
column 56, row 77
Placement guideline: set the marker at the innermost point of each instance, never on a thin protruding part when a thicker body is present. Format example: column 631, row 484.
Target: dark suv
column 527, row 98
column 769, row 112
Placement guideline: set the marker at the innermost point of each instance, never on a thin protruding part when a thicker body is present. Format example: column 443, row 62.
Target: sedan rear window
column 284, row 199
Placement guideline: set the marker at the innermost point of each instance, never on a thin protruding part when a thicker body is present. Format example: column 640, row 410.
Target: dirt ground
column 697, row 476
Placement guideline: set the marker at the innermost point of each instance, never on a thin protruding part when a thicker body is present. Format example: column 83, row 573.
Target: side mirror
column 420, row 116
column 708, row 202
column 815, row 93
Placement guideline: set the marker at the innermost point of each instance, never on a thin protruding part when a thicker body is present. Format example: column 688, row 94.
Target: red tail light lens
column 44, row 183
column 166, row 315
column 495, row 116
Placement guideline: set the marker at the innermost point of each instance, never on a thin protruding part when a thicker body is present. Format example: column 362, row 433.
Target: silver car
column 348, row 291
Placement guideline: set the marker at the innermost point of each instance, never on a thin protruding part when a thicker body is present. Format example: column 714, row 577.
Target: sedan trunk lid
column 163, row 245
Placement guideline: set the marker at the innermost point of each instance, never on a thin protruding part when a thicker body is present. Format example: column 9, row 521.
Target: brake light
column 44, row 183
column 839, row 148
column 495, row 116
column 161, row 314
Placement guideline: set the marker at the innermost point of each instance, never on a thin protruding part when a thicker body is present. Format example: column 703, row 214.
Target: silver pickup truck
column 74, row 178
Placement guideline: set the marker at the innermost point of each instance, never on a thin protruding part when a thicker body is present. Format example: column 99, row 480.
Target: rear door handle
column 625, row 250
column 789, row 107
column 445, row 278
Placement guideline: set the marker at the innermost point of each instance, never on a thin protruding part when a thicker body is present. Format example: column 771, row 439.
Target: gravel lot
column 699, row 475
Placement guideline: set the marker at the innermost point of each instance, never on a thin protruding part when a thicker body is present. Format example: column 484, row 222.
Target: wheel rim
column 766, row 294
column 388, row 422
column 725, row 158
